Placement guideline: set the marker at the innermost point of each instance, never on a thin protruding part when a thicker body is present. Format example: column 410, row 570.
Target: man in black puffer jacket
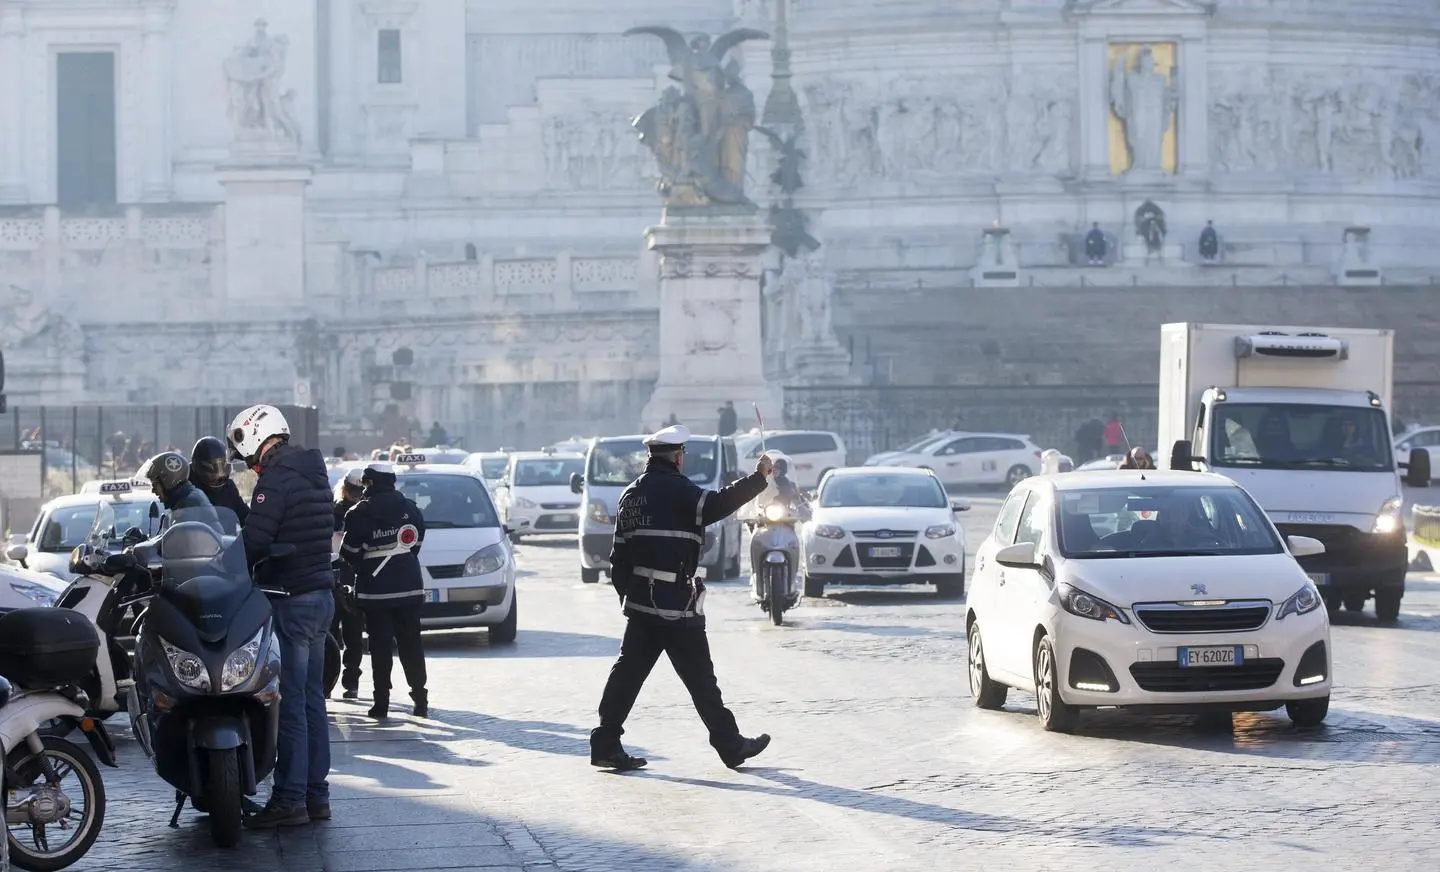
column 291, row 507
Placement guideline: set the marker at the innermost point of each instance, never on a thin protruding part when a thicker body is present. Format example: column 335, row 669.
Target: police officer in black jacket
column 210, row 471
column 659, row 529
column 349, row 626
column 383, row 535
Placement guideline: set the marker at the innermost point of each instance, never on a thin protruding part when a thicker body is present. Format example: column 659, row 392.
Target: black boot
column 381, row 709
column 422, row 703
column 748, row 748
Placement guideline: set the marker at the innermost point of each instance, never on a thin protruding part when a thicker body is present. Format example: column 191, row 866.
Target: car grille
column 907, row 553
column 1233, row 617
column 555, row 522
column 891, row 534
column 454, row 570
column 1172, row 678
column 560, row 506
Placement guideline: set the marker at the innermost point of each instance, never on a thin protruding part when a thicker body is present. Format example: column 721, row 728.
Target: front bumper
column 476, row 601
column 851, row 560
column 541, row 520
column 1143, row 667
column 1353, row 558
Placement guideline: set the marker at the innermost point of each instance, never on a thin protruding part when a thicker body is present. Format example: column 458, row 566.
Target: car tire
column 1055, row 715
column 1308, row 712
column 1018, row 473
column 951, row 586
column 988, row 693
column 814, row 589
column 589, row 576
column 1354, row 602
column 1387, row 605
column 503, row 633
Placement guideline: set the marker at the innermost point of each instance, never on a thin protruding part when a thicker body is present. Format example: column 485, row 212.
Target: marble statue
column 1150, row 226
column 28, row 323
column 699, row 133
column 1143, row 99
column 257, row 108
column 805, row 302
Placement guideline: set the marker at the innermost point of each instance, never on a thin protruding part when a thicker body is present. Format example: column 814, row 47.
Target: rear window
column 619, row 462
column 540, row 473
column 494, row 467
column 797, row 443
column 449, row 501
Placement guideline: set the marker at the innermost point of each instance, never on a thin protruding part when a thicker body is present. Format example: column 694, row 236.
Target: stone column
column 1094, row 108
column 157, row 64
column 12, row 106
column 1193, row 138
column 343, row 106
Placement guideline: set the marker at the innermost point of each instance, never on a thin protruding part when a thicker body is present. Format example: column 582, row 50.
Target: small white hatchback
column 1154, row 590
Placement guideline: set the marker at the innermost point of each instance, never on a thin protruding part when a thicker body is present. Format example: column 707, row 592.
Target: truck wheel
column 1332, row 601
column 1355, row 602
column 1387, row 605
column 589, row 576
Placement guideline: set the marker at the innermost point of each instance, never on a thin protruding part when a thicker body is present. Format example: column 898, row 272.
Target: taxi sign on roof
column 410, row 459
column 116, row 487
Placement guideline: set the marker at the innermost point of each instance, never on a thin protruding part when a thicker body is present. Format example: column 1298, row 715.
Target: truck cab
column 1297, row 416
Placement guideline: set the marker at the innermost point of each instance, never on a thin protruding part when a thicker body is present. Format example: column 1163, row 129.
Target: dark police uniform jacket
column 659, row 531
column 387, row 569
column 291, row 506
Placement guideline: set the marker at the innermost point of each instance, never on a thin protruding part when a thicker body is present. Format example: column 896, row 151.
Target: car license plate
column 566, row 519
column 885, row 551
column 1320, row 578
column 1212, row 655
column 432, row 596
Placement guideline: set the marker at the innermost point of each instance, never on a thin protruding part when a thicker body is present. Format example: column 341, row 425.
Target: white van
column 616, row 461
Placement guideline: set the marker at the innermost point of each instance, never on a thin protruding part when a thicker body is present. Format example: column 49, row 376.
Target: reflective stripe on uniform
column 654, row 574
column 700, row 509
column 387, row 552
column 663, row 534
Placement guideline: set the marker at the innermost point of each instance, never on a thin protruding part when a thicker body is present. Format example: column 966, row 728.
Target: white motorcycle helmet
column 255, row 426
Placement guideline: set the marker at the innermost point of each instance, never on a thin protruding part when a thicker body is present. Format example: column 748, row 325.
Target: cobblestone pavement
column 879, row 760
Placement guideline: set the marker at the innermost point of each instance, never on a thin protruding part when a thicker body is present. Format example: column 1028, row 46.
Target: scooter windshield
column 196, row 542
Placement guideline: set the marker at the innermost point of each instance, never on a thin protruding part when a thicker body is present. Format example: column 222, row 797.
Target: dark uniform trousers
column 349, row 628
column 689, row 652
column 395, row 625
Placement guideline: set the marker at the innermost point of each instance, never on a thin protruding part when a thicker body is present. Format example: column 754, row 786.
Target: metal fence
column 1425, row 524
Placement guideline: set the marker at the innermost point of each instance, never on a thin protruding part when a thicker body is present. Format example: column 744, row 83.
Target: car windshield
column 1295, row 436
column 924, row 442
column 70, row 526
column 848, row 491
column 548, row 472
column 1156, row 521
column 449, row 501
column 494, row 467
column 616, row 463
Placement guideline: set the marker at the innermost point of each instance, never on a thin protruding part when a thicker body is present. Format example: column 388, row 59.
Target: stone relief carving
column 591, row 152
column 1351, row 122
column 1144, row 99
column 258, row 109
column 676, row 267
column 714, row 322
column 805, row 293
column 26, row 323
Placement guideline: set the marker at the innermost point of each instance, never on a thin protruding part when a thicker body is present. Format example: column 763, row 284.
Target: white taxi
column 1153, row 590
column 467, row 565
column 535, row 495
column 961, row 458
column 65, row 522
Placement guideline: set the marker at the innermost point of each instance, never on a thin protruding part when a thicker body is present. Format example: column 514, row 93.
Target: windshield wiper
column 1177, row 552
column 1323, row 461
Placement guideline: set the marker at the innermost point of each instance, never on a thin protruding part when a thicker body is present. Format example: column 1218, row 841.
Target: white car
column 812, row 453
column 65, row 522
column 1155, row 590
column 1109, row 461
column 1421, row 437
column 491, row 464
column 23, row 589
column 884, row 526
column 971, row 458
column 466, row 563
column 535, row 495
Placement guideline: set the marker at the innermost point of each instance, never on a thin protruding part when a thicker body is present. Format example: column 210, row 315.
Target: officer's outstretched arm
column 718, row 505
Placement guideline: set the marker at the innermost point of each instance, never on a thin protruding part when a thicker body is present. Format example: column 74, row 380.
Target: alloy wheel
column 977, row 662
column 1043, row 683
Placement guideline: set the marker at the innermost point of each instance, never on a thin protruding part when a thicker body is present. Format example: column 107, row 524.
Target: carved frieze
column 592, row 151
column 677, row 267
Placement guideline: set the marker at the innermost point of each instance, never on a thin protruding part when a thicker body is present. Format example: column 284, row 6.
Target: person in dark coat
column 383, row 535
column 1096, row 245
column 210, row 471
column 292, row 507
column 1209, row 242
column 1090, row 440
column 169, row 475
column 729, row 421
column 349, row 625
column 659, row 529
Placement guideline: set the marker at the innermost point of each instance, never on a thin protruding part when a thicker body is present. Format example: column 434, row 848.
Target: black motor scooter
column 206, row 702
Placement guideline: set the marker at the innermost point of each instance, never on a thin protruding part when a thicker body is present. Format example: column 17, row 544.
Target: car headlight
column 1303, row 601
column 940, row 531
column 485, row 561
column 41, row 596
column 775, row 512
column 1389, row 519
column 600, row 513
column 1081, row 604
column 522, row 503
column 826, row 531
column 240, row 665
column 189, row 669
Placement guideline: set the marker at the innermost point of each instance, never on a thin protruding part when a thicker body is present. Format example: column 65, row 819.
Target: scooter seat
column 209, row 603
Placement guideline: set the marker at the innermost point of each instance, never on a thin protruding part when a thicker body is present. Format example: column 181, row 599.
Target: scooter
column 775, row 560
column 205, row 706
column 54, row 795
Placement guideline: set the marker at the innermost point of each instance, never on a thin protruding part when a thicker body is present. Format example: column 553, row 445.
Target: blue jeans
column 302, row 766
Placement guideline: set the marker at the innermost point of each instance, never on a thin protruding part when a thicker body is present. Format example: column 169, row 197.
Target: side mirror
column 18, row 552
column 1417, row 471
column 1304, row 546
column 1021, row 555
column 959, row 504
column 78, row 564
column 1182, row 456
column 115, row 564
column 577, row 483
column 281, row 550
column 5, row 689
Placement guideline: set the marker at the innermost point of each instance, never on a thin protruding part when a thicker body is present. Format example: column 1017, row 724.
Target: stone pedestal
column 711, row 260
column 1355, row 266
column 1138, row 254
column 819, row 365
column 999, row 267
column 264, row 231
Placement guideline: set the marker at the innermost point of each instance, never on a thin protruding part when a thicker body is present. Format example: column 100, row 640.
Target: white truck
column 1298, row 417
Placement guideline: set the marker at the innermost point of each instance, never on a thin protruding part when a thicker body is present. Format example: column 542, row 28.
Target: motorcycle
column 775, row 560
column 52, row 786
column 205, row 705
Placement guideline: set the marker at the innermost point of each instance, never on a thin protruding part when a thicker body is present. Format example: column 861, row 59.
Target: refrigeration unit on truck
column 1298, row 416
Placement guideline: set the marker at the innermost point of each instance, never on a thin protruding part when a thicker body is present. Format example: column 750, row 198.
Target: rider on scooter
column 787, row 492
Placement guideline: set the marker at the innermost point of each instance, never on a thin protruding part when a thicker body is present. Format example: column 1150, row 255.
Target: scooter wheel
column 57, row 853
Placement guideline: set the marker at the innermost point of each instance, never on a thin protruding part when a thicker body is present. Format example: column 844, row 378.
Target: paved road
column 879, row 762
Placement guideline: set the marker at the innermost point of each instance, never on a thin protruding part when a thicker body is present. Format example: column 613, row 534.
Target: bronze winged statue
column 721, row 112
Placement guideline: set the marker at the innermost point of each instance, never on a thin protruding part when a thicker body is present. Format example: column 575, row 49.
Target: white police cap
column 382, row 467
column 675, row 436
column 353, row 476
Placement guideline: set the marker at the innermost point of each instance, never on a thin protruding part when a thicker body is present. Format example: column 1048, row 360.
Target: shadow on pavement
column 889, row 596
column 527, row 644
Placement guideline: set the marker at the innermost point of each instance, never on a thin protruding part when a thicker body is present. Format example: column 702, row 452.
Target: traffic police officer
column 383, row 535
column 659, row 528
column 349, row 626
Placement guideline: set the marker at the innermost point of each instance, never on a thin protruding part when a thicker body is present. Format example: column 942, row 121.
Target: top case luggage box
column 47, row 647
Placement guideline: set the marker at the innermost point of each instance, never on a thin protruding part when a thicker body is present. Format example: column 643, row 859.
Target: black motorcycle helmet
column 166, row 471
column 210, row 462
